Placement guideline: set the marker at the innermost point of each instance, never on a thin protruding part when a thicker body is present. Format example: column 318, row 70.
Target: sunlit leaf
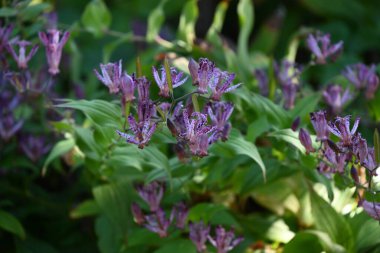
column 59, row 149
column 96, row 17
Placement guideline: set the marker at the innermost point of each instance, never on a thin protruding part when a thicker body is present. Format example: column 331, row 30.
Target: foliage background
column 82, row 202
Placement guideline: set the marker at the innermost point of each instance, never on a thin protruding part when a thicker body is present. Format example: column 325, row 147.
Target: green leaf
column 59, row 149
column 96, row 18
column 305, row 106
column 182, row 245
column 109, row 238
column 246, row 19
column 217, row 24
column 9, row 223
column 314, row 241
column 289, row 136
column 329, row 221
column 263, row 106
column 114, row 202
column 85, row 209
column 7, row 12
column 33, row 11
column 376, row 141
column 100, row 112
column 187, row 20
column 168, row 76
column 240, row 146
column 155, row 20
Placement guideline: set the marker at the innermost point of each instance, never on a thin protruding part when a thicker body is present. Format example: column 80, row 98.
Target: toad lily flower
column 198, row 235
column 5, row 32
column 360, row 148
column 372, row 209
column 127, row 88
column 341, row 129
column 225, row 240
column 305, row 140
column 8, row 126
column 162, row 81
column 158, row 223
column 197, row 132
column 179, row 213
column 319, row 122
column 287, row 75
column 334, row 97
column 152, row 194
column 111, row 75
column 262, row 81
column 34, row 147
column 54, row 48
column 363, row 77
column 219, row 114
column 22, row 59
column 370, row 161
column 320, row 45
column 221, row 83
column 202, row 73
column 138, row 215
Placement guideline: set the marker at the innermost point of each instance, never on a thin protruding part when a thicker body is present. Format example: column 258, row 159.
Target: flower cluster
column 194, row 128
column 158, row 222
column 350, row 152
column 322, row 49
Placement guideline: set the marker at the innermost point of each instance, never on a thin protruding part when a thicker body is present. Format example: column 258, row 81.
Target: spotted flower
column 224, row 241
column 54, row 45
column 111, row 76
column 341, row 128
column 322, row 48
column 363, row 77
column 319, row 122
column 202, row 73
column 336, row 98
column 22, row 58
column 199, row 233
column 162, row 81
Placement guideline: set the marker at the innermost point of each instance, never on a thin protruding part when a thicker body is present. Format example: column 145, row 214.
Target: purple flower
column 138, row 215
column 262, row 81
column 370, row 161
column 21, row 81
column 295, row 124
column 34, row 147
column 158, row 223
column 22, row 59
column 341, row 129
column 179, row 213
column 363, row 77
column 5, row 32
column 305, row 140
column 144, row 128
column 8, row 101
column 335, row 162
column 334, row 97
column 8, row 126
column 127, row 88
column 320, row 45
column 372, row 209
column 360, row 148
column 111, row 76
column 152, row 194
column 143, row 85
column 319, row 122
column 162, row 81
column 197, row 132
column 225, row 240
column 221, row 83
column 202, row 73
column 219, row 114
column 287, row 75
column 54, row 48
column 198, row 235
